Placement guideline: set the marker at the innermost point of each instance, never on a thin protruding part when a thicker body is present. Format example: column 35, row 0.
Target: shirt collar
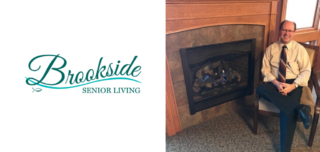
column 288, row 45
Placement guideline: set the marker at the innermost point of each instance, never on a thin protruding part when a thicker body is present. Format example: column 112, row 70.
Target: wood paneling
column 172, row 116
column 182, row 25
column 195, row 11
column 273, row 21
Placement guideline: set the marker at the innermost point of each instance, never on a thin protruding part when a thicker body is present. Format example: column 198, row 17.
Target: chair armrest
column 316, row 81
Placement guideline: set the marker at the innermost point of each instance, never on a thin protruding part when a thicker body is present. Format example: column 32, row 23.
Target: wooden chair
column 264, row 107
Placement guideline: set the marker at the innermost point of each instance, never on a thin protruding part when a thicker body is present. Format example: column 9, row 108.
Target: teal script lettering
column 82, row 77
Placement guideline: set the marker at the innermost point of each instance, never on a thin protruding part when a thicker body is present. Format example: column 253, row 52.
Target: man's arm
column 278, row 84
column 266, row 66
column 304, row 67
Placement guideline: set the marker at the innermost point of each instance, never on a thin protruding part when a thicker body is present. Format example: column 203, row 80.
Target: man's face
column 287, row 32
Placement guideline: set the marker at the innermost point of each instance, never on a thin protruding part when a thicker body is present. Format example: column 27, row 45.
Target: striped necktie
column 282, row 65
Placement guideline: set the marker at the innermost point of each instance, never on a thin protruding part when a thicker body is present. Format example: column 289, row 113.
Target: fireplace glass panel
column 218, row 73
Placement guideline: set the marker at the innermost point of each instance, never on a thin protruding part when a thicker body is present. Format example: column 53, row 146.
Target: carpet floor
column 232, row 132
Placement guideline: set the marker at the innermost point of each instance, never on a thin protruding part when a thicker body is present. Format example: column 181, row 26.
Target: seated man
column 286, row 67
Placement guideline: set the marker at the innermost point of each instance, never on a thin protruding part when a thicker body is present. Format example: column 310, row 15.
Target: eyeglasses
column 289, row 31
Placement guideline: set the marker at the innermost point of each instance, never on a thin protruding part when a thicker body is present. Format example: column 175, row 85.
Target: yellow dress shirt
column 298, row 64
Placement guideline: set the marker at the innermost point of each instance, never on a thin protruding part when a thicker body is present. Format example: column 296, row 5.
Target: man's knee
column 266, row 87
column 261, row 88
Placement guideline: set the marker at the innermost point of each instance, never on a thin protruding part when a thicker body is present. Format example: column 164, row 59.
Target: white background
column 82, row 32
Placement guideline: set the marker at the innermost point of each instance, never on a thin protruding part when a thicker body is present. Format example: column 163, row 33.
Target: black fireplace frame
column 224, row 97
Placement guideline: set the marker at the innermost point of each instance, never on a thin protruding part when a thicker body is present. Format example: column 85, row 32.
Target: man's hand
column 278, row 84
column 287, row 88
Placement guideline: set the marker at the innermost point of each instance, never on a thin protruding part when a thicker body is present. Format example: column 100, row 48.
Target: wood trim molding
column 183, row 25
column 306, row 36
column 316, row 19
column 273, row 21
column 196, row 11
column 307, row 29
column 284, row 10
column 173, row 124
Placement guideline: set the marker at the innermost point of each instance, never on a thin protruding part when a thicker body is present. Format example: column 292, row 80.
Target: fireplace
column 200, row 23
column 218, row 73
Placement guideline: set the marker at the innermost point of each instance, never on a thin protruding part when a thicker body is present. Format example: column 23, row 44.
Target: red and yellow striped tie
column 282, row 65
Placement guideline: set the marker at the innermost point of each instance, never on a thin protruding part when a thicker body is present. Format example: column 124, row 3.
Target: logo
column 78, row 79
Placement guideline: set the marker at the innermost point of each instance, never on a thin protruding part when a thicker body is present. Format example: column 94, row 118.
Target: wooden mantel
column 186, row 15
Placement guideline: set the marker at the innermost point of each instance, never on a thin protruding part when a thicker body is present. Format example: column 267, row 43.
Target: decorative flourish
column 118, row 78
column 37, row 89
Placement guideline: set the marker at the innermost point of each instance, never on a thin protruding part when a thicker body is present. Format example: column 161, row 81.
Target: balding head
column 295, row 26
column 287, row 31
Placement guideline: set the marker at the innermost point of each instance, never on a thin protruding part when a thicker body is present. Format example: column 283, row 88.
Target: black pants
column 287, row 105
